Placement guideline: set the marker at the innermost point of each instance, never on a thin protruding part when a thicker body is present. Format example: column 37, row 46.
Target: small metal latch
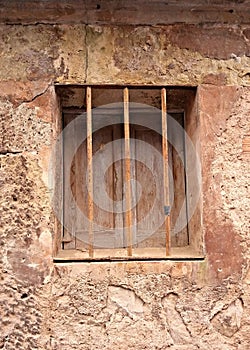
column 167, row 209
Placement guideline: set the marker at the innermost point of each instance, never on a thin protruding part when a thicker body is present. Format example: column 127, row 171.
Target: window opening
column 116, row 176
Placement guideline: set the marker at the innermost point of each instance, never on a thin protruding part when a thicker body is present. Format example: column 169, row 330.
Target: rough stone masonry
column 181, row 305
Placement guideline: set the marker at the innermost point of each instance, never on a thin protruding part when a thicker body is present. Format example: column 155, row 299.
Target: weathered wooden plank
column 82, row 194
column 103, row 190
column 133, row 186
column 104, row 228
column 138, row 253
column 176, row 163
column 69, row 205
column 118, row 185
column 149, row 174
column 128, row 216
column 90, row 171
column 165, row 167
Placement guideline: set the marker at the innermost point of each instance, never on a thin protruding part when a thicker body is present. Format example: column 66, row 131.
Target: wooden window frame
column 191, row 251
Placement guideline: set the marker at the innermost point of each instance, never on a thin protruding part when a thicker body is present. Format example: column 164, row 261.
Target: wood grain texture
column 128, row 216
column 149, row 179
column 70, row 188
column 165, row 164
column 176, row 155
column 90, row 171
column 124, row 199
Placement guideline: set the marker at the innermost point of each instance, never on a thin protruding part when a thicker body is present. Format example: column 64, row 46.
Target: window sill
column 177, row 253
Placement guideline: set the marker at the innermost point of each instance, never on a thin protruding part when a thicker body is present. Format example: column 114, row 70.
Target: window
column 130, row 173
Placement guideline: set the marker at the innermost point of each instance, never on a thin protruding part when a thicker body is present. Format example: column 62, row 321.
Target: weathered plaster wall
column 154, row 305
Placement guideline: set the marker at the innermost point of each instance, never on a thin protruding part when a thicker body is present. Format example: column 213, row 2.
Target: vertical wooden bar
column 165, row 167
column 90, row 171
column 128, row 220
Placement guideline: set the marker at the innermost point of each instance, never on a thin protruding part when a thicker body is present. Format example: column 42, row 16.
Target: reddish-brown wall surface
column 124, row 305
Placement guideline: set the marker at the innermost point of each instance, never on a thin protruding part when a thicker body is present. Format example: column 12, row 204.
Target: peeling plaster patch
column 45, row 240
column 126, row 299
column 177, row 327
column 228, row 320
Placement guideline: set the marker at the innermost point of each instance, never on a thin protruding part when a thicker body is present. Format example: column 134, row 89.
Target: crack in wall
column 44, row 91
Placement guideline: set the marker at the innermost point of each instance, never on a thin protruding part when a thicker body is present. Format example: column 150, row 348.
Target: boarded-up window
column 131, row 173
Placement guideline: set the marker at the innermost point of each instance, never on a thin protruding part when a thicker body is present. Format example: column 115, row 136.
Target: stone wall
column 126, row 305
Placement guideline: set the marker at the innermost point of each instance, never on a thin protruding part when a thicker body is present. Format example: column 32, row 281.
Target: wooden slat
column 90, row 171
column 133, row 186
column 82, row 193
column 118, row 185
column 128, row 219
column 182, row 253
column 69, row 169
column 176, row 155
column 165, row 165
column 149, row 174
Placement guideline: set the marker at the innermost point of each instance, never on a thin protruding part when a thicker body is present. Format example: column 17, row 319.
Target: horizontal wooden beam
column 177, row 253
